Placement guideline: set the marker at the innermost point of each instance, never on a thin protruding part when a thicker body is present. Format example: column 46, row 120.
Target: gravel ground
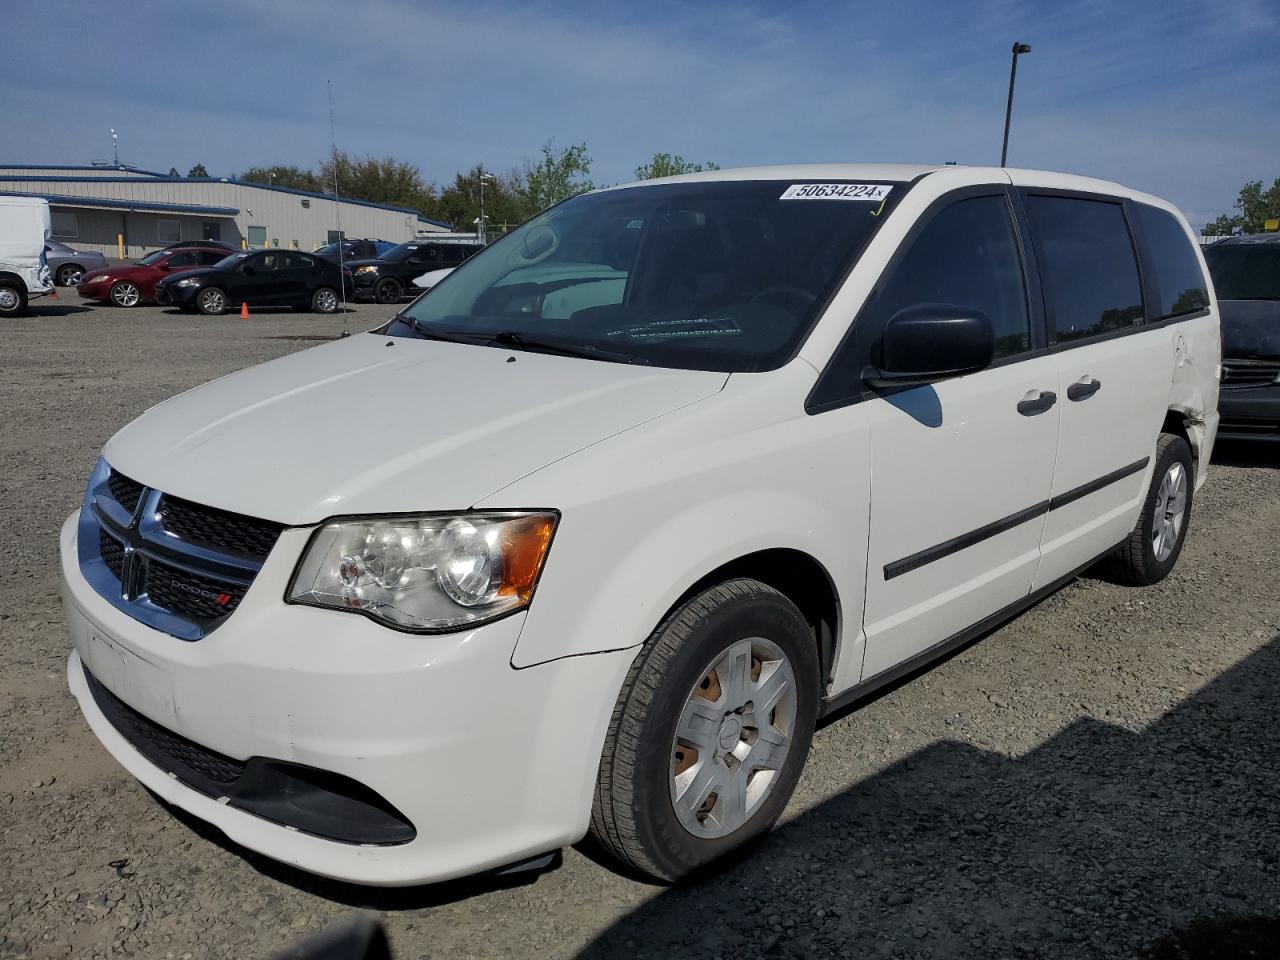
column 1087, row 781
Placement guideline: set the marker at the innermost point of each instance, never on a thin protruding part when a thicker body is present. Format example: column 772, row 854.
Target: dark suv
column 355, row 250
column 1246, row 275
column 386, row 278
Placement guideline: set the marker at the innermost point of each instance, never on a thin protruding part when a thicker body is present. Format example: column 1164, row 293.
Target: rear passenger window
column 967, row 256
column 1180, row 286
column 1087, row 264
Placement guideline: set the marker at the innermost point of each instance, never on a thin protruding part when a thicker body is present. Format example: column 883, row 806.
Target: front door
column 960, row 469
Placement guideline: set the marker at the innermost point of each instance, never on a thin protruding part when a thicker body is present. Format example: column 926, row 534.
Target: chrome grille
column 175, row 565
column 1242, row 374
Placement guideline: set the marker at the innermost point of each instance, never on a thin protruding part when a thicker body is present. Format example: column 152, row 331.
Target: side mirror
column 929, row 342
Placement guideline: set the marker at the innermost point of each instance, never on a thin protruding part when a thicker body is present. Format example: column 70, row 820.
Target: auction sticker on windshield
column 836, row 191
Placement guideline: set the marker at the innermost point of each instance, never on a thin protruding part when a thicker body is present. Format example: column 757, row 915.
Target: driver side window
column 966, row 256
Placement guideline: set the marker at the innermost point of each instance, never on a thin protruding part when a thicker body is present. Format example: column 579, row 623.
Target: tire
column 125, row 294
column 1152, row 549
column 646, row 771
column 324, row 300
column 389, row 290
column 69, row 274
column 13, row 299
column 211, row 302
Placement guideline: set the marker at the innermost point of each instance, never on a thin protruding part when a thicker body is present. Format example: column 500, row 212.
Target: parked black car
column 219, row 244
column 1246, row 275
column 259, row 278
column 355, row 250
column 386, row 278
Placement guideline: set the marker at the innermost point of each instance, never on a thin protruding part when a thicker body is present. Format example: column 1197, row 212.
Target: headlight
column 427, row 573
column 367, row 268
column 188, row 282
column 102, row 279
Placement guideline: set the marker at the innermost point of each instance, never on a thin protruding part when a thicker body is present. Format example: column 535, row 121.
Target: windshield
column 156, row 257
column 230, row 261
column 399, row 252
column 1244, row 271
column 716, row 275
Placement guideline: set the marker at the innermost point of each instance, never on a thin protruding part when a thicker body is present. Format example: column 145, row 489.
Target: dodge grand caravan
column 590, row 536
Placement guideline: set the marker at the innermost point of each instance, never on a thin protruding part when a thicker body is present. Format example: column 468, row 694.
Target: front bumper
column 170, row 295
column 1250, row 414
column 94, row 290
column 490, row 764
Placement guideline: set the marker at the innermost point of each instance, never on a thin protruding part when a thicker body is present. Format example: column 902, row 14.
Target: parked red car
column 129, row 284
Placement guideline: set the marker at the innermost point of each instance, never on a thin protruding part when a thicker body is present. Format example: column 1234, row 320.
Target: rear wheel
column 13, row 299
column 389, row 290
column 125, row 294
column 211, row 302
column 710, row 732
column 324, row 300
column 1153, row 548
column 69, row 274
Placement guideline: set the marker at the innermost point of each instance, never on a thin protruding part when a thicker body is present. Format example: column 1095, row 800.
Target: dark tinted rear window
column 1179, row 282
column 1245, row 271
column 1087, row 264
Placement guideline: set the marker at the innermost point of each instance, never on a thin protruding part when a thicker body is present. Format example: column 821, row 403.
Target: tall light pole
column 1018, row 49
column 483, row 177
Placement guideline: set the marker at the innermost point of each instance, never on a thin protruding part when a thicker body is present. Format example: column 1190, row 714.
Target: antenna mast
column 337, row 206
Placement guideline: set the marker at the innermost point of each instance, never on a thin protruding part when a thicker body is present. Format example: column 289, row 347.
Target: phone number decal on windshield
column 836, row 191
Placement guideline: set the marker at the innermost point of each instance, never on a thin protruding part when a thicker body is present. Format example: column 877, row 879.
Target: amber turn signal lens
column 524, row 547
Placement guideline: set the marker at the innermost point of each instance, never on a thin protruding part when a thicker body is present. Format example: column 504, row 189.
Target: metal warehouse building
column 105, row 208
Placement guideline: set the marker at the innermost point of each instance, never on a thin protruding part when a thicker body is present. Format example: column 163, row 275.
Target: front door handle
column 1083, row 389
column 1030, row 406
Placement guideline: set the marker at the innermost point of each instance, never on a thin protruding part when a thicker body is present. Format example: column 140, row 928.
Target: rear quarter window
column 1178, row 280
column 1087, row 264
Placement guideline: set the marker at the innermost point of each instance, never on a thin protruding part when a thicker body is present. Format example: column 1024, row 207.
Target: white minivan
column 591, row 535
column 25, row 225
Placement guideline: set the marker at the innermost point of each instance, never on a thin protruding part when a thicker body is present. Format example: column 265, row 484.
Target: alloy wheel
column 70, row 276
column 213, row 301
column 125, row 295
column 733, row 738
column 1170, row 512
column 326, row 301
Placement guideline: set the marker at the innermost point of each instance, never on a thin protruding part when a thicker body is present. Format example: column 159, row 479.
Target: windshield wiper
column 424, row 331
column 512, row 338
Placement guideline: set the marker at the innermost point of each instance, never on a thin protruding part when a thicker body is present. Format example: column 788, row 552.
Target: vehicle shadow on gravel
column 38, row 310
column 1103, row 841
column 1243, row 453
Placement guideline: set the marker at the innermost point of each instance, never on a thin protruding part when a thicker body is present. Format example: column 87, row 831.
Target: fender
column 650, row 512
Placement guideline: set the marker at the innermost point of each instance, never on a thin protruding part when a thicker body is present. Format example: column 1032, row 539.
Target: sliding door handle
column 1083, row 389
column 1030, row 406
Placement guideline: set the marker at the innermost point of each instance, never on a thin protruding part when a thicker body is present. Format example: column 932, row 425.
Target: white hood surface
column 374, row 424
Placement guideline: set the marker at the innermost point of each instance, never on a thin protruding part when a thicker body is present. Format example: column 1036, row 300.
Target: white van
column 591, row 535
column 24, row 275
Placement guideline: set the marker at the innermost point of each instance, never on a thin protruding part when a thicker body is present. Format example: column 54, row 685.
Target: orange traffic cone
column 244, row 310
column 53, row 294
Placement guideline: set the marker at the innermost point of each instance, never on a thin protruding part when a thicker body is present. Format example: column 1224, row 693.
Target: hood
column 371, row 424
column 1250, row 329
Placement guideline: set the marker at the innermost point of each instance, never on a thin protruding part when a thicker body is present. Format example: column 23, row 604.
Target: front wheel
column 13, row 300
column 125, row 294
column 1150, row 552
column 324, row 300
column 388, row 291
column 211, row 301
column 710, row 732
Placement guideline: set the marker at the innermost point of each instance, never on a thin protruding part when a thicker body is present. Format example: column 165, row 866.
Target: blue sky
column 1179, row 97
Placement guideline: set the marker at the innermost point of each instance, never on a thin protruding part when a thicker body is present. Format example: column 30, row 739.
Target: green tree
column 388, row 181
column 283, row 176
column 560, row 174
column 459, row 203
column 1255, row 206
column 198, row 171
column 670, row 165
